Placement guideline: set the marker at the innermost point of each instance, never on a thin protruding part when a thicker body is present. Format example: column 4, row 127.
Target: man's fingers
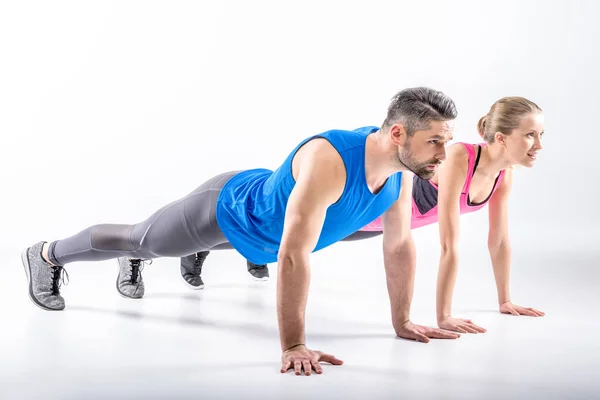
column 329, row 358
column 298, row 367
column 317, row 367
column 286, row 366
column 308, row 363
column 307, row 367
column 413, row 335
column 441, row 334
column 419, row 337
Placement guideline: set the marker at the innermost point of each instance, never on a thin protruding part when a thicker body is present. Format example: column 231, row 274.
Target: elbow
column 400, row 246
column 291, row 259
column 449, row 247
column 292, row 269
column 498, row 243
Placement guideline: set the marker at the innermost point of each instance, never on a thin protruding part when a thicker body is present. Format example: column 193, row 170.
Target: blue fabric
column 251, row 206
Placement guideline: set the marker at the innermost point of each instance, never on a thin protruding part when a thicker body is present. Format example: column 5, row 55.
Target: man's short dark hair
column 414, row 108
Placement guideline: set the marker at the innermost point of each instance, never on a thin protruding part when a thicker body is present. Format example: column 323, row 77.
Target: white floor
column 222, row 342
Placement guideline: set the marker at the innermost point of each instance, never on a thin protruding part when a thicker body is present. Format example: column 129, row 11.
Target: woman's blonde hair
column 505, row 116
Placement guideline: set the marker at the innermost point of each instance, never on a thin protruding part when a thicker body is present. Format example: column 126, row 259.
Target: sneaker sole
column 191, row 286
column 25, row 261
column 264, row 279
column 124, row 295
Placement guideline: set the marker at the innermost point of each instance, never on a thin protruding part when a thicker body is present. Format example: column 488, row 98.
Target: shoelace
column 58, row 279
column 198, row 262
column 137, row 266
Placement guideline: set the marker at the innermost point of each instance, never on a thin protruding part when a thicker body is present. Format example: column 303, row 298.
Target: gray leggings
column 181, row 228
column 361, row 235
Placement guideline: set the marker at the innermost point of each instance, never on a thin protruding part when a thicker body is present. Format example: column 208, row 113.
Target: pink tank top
column 431, row 216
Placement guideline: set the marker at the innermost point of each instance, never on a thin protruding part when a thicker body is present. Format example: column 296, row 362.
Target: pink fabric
column 431, row 217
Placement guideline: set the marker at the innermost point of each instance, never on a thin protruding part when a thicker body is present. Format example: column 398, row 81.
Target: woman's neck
column 492, row 160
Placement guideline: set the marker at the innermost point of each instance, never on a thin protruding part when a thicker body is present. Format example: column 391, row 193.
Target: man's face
column 422, row 152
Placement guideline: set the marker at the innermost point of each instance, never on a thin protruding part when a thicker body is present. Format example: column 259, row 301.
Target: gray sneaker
column 258, row 272
column 130, row 283
column 44, row 279
column 191, row 268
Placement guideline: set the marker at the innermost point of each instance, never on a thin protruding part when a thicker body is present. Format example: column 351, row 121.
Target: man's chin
column 425, row 174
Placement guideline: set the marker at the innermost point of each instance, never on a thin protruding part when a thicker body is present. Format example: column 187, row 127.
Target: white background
column 111, row 109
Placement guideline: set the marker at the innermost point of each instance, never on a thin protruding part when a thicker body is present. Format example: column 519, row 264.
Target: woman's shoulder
column 458, row 153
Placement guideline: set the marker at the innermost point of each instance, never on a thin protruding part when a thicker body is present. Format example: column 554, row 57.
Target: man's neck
column 381, row 161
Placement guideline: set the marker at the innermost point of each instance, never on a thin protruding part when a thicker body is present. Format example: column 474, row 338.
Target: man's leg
column 183, row 227
column 258, row 272
column 191, row 269
column 361, row 235
column 194, row 262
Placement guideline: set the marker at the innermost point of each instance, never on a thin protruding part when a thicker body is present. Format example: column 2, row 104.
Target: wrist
column 443, row 317
column 399, row 323
column 503, row 300
column 297, row 346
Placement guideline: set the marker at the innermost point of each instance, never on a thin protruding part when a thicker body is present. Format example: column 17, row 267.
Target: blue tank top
column 251, row 206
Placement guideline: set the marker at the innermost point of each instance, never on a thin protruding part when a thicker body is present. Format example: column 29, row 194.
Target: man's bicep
column 315, row 190
column 304, row 217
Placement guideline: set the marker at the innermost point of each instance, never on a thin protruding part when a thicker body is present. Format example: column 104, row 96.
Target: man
column 330, row 186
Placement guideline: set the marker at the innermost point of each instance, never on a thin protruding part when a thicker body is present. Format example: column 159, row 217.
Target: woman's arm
column 452, row 176
column 498, row 240
column 500, row 250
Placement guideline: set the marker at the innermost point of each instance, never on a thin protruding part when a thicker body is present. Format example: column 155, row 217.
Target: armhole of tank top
column 470, row 149
column 320, row 136
column 498, row 181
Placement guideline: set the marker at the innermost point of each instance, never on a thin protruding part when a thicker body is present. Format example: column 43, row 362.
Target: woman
column 472, row 176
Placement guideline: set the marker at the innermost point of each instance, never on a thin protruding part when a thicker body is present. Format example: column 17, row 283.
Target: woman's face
column 525, row 142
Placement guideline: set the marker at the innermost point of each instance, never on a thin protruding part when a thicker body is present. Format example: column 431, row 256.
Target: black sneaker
column 258, row 272
column 191, row 268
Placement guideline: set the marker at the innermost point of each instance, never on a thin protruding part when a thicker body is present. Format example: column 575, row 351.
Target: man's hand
column 460, row 325
column 510, row 308
column 408, row 330
column 300, row 358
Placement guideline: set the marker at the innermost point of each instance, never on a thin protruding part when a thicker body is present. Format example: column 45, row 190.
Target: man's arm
column 320, row 178
column 400, row 265
column 399, row 254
